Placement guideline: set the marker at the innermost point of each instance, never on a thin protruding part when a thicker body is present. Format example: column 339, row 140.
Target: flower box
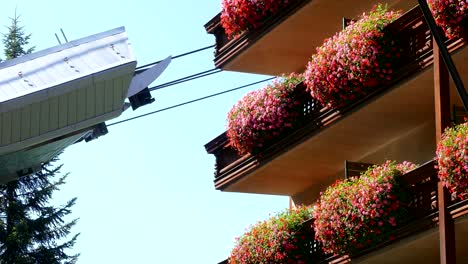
column 280, row 239
column 361, row 212
column 452, row 160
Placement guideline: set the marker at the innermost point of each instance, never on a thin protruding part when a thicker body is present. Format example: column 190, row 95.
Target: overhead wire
column 139, row 68
column 189, row 102
column 182, row 80
column 186, row 79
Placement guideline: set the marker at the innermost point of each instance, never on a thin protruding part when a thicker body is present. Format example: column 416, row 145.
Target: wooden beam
column 354, row 169
column 442, row 120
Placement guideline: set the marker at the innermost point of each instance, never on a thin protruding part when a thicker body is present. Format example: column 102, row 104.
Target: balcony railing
column 227, row 48
column 282, row 42
column 412, row 34
column 421, row 184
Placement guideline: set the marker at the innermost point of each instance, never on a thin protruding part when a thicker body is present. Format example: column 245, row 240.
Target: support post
column 442, row 121
column 444, row 53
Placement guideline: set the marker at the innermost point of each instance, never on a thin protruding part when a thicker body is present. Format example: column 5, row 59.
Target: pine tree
column 31, row 230
column 16, row 39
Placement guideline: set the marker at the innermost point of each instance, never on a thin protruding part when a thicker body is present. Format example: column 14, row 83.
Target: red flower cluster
column 451, row 16
column 238, row 16
column 353, row 62
column 452, row 160
column 277, row 240
column 263, row 115
column 361, row 212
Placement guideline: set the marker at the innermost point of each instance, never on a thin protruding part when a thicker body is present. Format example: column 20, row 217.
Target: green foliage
column 29, row 227
column 16, row 39
column 31, row 230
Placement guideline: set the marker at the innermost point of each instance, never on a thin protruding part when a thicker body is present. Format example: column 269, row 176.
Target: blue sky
column 145, row 190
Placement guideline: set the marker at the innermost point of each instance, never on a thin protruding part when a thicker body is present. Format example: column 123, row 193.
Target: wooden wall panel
column 44, row 117
column 53, row 113
column 90, row 101
column 35, row 119
column 118, row 93
column 25, row 130
column 99, row 97
column 16, row 126
column 81, row 105
column 63, row 111
column 72, row 107
column 126, row 85
column 109, row 96
column 6, row 128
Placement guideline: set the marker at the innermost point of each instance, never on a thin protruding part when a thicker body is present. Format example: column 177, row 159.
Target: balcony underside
column 286, row 43
column 421, row 248
column 318, row 160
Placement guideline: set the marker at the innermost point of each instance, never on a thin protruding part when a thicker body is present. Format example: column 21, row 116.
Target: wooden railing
column 413, row 36
column 421, row 185
column 227, row 48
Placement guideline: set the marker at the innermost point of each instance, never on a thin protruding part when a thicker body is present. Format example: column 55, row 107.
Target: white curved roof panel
column 36, row 76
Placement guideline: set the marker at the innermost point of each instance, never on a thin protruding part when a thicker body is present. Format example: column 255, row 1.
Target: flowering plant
column 452, row 159
column 451, row 16
column 360, row 212
column 238, row 16
column 276, row 240
column 354, row 61
column 263, row 115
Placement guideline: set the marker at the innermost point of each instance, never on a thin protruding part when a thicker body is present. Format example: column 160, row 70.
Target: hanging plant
column 361, row 212
column 263, row 115
column 238, row 16
column 452, row 160
column 279, row 239
column 451, row 16
column 355, row 61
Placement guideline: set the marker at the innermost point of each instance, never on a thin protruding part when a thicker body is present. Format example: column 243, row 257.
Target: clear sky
column 145, row 190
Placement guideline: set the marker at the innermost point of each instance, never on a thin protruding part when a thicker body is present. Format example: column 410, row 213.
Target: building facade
column 402, row 120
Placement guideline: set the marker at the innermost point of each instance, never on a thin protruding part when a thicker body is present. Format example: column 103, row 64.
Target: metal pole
column 444, row 53
column 63, row 33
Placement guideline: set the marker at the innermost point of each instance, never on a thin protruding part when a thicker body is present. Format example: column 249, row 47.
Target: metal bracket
column 444, row 53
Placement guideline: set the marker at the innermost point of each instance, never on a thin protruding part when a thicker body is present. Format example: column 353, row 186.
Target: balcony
column 286, row 41
column 417, row 240
column 396, row 122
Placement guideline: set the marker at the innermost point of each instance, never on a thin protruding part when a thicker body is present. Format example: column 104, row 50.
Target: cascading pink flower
column 280, row 239
column 238, row 16
column 360, row 212
column 354, row 62
column 452, row 160
column 451, row 16
column 263, row 115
